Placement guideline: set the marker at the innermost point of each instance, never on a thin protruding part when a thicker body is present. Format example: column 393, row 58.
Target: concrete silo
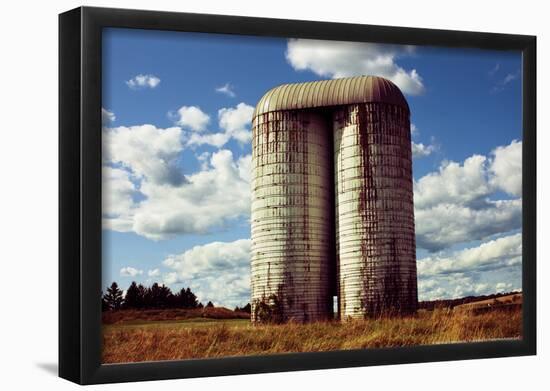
column 332, row 200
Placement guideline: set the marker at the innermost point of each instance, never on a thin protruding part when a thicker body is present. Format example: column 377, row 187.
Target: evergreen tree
column 192, row 301
column 159, row 296
column 104, row 304
column 186, row 299
column 246, row 308
column 113, row 297
column 209, row 305
column 143, row 296
column 132, row 298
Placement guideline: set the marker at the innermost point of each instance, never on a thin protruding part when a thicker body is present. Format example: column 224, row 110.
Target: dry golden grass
column 152, row 341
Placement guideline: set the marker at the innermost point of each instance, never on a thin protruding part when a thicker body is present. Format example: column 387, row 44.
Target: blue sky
column 177, row 108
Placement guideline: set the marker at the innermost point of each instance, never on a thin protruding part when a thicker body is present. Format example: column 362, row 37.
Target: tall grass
column 133, row 344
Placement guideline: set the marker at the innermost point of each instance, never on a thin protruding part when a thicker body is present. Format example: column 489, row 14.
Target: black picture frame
column 80, row 64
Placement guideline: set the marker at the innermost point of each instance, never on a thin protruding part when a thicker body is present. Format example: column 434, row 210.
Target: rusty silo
column 332, row 201
column 292, row 227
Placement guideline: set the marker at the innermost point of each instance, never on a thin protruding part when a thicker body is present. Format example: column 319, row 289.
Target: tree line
column 154, row 297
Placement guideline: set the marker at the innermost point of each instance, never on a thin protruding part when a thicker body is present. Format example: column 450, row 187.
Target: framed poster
column 244, row 195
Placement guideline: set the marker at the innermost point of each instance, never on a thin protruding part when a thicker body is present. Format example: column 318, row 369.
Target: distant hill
column 452, row 303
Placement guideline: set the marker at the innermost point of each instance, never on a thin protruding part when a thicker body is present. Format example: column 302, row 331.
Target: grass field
column 132, row 340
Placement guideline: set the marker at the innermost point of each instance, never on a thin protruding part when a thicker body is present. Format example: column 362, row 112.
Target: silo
column 292, row 224
column 375, row 237
column 332, row 201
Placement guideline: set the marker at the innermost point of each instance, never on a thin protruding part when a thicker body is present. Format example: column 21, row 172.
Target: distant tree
column 246, row 308
column 159, row 296
column 113, row 297
column 143, row 296
column 209, row 305
column 133, row 298
column 186, row 299
column 104, row 304
column 200, row 305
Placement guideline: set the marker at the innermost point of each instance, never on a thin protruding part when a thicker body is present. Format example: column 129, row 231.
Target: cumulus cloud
column 343, row 59
column 207, row 200
column 494, row 254
column 129, row 271
column 226, row 89
column 445, row 225
column 107, row 116
column 192, row 117
column 217, row 271
column 234, row 123
column 506, row 168
column 143, row 81
column 454, row 183
column 455, row 205
column 472, row 271
column 204, row 201
column 420, row 150
column 154, row 273
column 147, row 151
column 117, row 199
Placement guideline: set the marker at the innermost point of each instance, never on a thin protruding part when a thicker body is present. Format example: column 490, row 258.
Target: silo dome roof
column 326, row 93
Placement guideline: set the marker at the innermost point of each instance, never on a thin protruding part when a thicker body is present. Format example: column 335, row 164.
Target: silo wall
column 374, row 219
column 292, row 260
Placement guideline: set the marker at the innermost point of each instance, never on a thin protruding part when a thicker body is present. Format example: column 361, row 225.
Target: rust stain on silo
column 332, row 203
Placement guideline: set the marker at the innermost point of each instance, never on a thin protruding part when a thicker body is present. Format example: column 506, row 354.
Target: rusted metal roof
column 326, row 93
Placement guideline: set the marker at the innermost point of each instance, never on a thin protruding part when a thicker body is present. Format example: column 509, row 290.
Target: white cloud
column 504, row 287
column 143, row 81
column 217, row 140
column 454, row 205
column 226, row 89
column 494, row 254
column 107, row 116
column 206, row 201
column 236, row 121
column 493, row 266
column 422, row 150
column 154, row 273
column 414, row 130
column 192, row 117
column 146, row 150
column 506, row 168
column 235, row 124
column 343, row 59
column 117, row 199
column 217, row 271
column 129, row 271
column 453, row 183
column 445, row 225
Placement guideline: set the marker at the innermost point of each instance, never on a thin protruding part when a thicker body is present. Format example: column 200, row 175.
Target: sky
column 176, row 155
